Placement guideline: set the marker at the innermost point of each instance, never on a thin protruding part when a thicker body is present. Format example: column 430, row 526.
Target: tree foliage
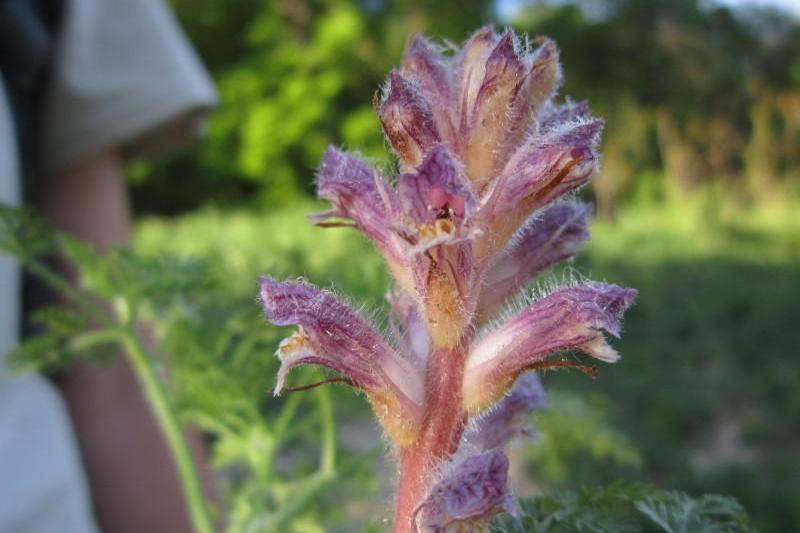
column 693, row 91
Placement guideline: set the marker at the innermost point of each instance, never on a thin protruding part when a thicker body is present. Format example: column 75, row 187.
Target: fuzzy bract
column 467, row 496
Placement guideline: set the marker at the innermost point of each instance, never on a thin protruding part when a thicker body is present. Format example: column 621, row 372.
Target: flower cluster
column 477, row 212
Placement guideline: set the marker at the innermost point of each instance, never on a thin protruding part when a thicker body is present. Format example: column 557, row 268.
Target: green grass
column 707, row 387
column 243, row 245
column 706, row 391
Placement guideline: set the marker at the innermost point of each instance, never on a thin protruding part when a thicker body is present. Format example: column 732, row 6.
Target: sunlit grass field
column 706, row 394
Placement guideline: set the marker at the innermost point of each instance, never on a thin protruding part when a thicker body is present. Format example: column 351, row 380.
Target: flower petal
column 557, row 234
column 358, row 193
column 425, row 65
column 471, row 66
column 553, row 116
column 542, row 169
column 408, row 324
column 545, row 75
column 448, row 304
column 333, row 335
column 504, row 74
column 407, row 120
column 507, row 419
column 569, row 319
column 437, row 191
column 468, row 496
column 550, row 165
column 437, row 205
column 536, row 91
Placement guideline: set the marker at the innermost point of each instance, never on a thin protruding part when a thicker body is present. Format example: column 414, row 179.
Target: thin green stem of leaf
column 75, row 296
column 158, row 399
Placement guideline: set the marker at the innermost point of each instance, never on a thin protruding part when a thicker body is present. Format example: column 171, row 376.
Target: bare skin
column 133, row 480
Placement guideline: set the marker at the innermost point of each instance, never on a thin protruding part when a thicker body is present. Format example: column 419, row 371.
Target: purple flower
column 464, row 499
column 423, row 229
column 557, row 234
column 408, row 121
column 476, row 213
column 568, row 319
column 543, row 168
column 334, row 336
column 508, row 418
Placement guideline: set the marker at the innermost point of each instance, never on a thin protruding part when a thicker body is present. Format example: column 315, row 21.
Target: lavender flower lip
column 477, row 212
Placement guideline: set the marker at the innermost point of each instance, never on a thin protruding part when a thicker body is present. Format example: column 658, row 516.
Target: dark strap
column 28, row 30
column 24, row 43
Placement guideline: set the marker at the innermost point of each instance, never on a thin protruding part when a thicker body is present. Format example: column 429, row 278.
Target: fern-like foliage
column 207, row 346
column 626, row 508
column 677, row 512
column 23, row 234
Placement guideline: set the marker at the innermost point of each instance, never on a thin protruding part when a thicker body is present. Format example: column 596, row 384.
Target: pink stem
column 442, row 427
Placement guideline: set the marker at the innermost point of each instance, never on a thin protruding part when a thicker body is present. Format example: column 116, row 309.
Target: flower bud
column 504, row 74
column 468, row 496
column 407, row 120
column 426, row 66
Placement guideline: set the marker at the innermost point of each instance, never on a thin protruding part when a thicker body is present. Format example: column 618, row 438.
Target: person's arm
column 133, row 481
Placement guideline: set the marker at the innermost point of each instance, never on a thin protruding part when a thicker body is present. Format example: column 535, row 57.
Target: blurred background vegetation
column 696, row 93
column 698, row 207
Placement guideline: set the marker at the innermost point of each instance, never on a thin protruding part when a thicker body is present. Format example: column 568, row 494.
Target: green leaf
column 22, row 233
column 626, row 508
column 65, row 337
column 676, row 512
column 133, row 277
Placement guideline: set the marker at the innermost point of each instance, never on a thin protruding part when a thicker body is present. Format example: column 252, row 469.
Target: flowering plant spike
column 477, row 212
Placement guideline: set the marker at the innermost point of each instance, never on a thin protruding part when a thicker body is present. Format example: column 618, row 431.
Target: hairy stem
column 442, row 427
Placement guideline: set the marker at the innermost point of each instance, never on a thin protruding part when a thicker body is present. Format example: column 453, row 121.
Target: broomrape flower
column 477, row 212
